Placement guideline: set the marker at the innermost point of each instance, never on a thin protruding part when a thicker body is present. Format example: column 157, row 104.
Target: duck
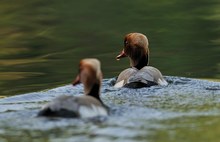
column 84, row 106
column 140, row 74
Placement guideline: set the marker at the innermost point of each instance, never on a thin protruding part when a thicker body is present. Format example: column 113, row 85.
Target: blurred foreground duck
column 139, row 74
column 88, row 105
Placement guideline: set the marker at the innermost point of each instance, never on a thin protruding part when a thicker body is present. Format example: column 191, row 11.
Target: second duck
column 139, row 74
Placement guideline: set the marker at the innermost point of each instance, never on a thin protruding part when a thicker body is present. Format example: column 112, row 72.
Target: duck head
column 136, row 49
column 90, row 76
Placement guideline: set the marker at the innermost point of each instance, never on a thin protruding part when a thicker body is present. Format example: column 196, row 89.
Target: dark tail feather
column 60, row 113
column 135, row 85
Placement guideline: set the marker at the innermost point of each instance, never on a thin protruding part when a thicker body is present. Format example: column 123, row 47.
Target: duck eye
column 125, row 42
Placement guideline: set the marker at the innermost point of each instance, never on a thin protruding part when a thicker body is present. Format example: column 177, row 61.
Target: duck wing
column 124, row 77
column 146, row 77
column 71, row 106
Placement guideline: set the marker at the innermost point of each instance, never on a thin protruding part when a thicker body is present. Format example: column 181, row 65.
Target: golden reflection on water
column 10, row 51
column 211, row 79
column 17, row 75
column 188, row 129
column 10, row 62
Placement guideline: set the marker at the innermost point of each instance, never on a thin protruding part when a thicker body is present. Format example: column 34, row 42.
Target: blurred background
column 41, row 42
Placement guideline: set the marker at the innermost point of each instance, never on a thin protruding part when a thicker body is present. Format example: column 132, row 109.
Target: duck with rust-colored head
column 139, row 74
column 87, row 105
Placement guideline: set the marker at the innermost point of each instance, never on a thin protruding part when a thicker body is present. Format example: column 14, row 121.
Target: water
column 181, row 111
column 43, row 41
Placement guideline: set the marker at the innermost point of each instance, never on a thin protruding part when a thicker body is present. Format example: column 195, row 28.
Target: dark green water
column 42, row 42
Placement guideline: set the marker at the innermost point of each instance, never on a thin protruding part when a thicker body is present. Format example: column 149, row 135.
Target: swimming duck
column 139, row 74
column 87, row 105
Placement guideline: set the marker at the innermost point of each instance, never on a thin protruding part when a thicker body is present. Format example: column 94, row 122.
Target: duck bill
column 76, row 81
column 121, row 55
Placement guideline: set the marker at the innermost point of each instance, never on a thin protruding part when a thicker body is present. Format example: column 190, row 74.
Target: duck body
column 85, row 106
column 145, row 77
column 70, row 106
column 139, row 74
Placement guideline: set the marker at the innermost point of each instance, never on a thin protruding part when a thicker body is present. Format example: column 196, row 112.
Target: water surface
column 43, row 41
column 185, row 110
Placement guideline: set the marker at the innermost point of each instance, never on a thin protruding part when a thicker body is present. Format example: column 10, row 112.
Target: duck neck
column 143, row 61
column 94, row 91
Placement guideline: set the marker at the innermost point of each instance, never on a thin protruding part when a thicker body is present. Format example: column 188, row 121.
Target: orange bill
column 121, row 55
